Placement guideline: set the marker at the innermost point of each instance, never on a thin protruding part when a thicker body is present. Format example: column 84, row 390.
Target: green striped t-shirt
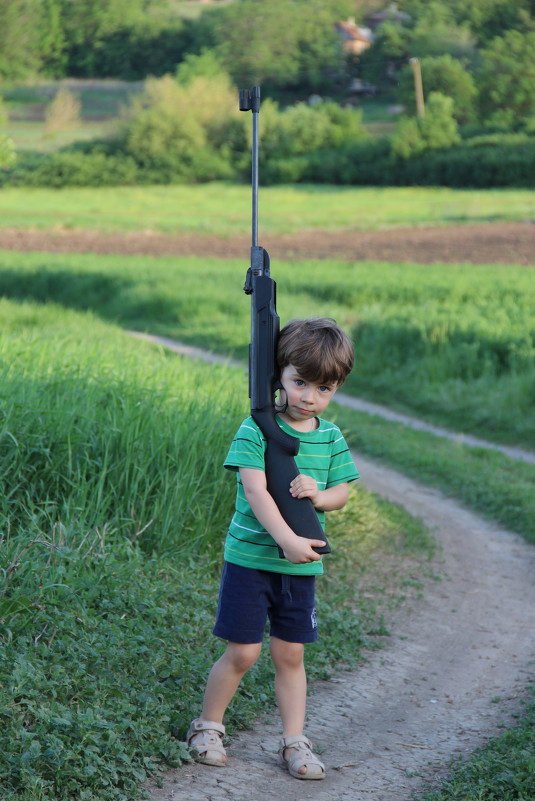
column 323, row 455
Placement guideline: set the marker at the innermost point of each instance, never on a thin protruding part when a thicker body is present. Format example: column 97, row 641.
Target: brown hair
column 317, row 348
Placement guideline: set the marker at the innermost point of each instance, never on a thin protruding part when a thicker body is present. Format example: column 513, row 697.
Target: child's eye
column 325, row 389
column 299, row 382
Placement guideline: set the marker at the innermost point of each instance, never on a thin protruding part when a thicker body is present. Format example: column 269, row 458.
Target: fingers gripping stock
column 281, row 468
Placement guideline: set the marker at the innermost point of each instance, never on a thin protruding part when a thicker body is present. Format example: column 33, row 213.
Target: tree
column 436, row 32
column 280, row 42
column 52, row 44
column 391, row 49
column 430, row 30
column 446, row 75
column 31, row 39
column 63, row 113
column 88, row 24
column 206, row 64
column 169, row 126
column 491, row 18
column 507, row 78
column 436, row 129
column 19, row 48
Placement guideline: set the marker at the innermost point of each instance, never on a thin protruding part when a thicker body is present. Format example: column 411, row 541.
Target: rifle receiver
column 264, row 379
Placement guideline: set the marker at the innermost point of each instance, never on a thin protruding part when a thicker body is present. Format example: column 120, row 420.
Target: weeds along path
column 389, row 729
column 452, row 673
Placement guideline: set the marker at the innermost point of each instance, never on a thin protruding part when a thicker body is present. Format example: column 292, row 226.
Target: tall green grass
column 225, row 209
column 454, row 343
column 99, row 431
column 113, row 513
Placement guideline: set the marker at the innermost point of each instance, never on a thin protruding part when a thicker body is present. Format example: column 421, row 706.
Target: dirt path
column 359, row 404
column 483, row 243
column 388, row 729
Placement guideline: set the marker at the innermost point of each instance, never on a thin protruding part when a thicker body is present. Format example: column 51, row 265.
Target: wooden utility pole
column 418, row 86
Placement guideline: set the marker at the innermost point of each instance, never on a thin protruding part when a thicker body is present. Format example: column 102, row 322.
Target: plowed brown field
column 489, row 243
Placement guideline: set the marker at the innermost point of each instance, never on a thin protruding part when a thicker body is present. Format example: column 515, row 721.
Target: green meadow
column 453, row 343
column 225, row 209
column 114, row 503
column 113, row 512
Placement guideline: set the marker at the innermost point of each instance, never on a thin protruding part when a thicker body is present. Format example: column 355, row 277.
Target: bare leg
column 290, row 686
column 225, row 677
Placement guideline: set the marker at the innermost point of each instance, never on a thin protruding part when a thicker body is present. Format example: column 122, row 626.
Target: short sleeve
column 247, row 448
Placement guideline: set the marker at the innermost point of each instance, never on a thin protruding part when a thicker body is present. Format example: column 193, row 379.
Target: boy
column 315, row 357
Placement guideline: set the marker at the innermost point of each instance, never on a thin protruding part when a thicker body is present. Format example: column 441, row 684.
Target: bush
column 7, row 148
column 63, row 113
column 475, row 167
column 443, row 74
column 73, row 168
column 360, row 163
column 500, row 139
column 290, row 139
column 370, row 163
column 167, row 129
column 436, row 129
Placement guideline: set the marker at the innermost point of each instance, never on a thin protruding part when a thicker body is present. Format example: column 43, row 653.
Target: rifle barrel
column 255, row 179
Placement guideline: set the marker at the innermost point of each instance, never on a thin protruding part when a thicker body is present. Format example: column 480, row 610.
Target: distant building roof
column 354, row 37
column 391, row 12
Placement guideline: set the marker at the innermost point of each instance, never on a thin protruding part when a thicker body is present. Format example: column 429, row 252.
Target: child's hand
column 300, row 550
column 304, row 487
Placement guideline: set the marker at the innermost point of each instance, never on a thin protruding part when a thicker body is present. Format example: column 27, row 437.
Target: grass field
column 225, row 209
column 100, row 106
column 454, row 344
column 111, row 524
column 101, row 437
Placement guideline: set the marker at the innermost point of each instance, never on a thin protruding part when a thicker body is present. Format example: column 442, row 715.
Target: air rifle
column 264, row 378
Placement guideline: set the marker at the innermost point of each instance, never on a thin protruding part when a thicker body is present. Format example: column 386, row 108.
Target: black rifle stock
column 264, row 380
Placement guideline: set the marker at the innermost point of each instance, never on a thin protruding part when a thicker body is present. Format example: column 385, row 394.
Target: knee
column 242, row 657
column 287, row 655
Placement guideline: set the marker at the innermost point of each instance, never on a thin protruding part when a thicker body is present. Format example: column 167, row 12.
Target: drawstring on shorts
column 285, row 585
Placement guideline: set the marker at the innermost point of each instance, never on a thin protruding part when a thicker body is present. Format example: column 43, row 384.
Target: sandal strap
column 303, row 756
column 199, row 725
column 295, row 741
column 207, row 748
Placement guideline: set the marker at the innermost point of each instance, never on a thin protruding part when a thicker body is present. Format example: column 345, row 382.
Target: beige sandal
column 302, row 756
column 208, row 748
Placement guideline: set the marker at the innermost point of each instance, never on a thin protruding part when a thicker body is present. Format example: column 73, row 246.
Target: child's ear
column 281, row 401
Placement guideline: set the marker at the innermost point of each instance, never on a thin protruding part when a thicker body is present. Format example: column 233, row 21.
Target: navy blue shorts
column 248, row 597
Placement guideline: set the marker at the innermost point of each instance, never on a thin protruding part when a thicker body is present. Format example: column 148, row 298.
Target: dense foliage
column 477, row 67
column 290, row 46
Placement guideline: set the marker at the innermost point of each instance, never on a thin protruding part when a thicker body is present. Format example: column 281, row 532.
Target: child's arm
column 297, row 550
column 327, row 500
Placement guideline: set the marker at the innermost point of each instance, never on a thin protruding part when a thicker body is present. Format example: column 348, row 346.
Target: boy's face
column 305, row 399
